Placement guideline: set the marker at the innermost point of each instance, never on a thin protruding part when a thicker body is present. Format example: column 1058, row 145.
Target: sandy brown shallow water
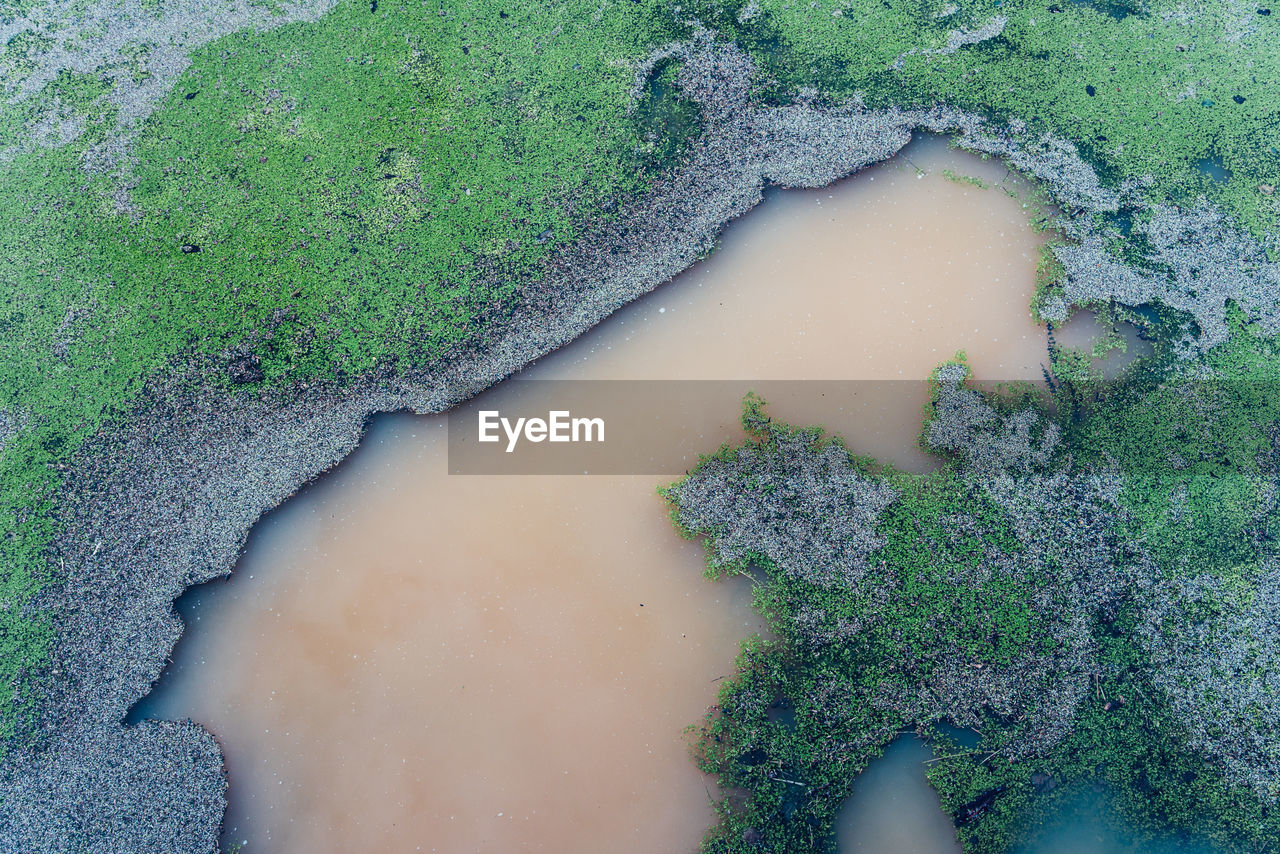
column 406, row 660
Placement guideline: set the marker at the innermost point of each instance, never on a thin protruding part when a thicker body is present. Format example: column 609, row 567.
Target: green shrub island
column 1089, row 582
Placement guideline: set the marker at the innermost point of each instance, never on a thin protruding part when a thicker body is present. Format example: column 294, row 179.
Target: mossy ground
column 363, row 190
column 1156, row 91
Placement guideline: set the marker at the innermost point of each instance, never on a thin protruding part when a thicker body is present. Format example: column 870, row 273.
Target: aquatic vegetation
column 320, row 230
column 1151, row 92
column 1215, row 656
column 1034, row 590
column 964, row 179
column 305, row 192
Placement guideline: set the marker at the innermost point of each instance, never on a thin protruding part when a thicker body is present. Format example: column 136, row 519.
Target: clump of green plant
column 667, row 120
column 1049, row 277
column 1137, row 94
column 326, row 229
column 1064, row 543
column 971, row 180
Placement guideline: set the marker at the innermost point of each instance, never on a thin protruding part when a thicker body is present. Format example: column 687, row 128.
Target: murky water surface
column 410, row 661
column 1087, row 823
column 893, row 809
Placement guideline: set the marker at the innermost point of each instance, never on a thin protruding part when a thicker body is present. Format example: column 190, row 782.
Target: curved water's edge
column 303, row 639
column 167, row 499
column 892, row 808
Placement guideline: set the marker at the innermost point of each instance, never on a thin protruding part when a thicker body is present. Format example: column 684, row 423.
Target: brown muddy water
column 405, row 660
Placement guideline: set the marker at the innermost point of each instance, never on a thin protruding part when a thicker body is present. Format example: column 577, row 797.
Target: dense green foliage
column 1161, row 89
column 1201, row 438
column 990, row 623
column 807, row 709
column 362, row 190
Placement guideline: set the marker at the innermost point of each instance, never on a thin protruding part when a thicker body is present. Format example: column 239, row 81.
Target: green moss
column 924, row 552
column 135, row 57
column 1128, row 85
column 18, row 58
column 1196, row 443
column 340, row 225
column 667, row 121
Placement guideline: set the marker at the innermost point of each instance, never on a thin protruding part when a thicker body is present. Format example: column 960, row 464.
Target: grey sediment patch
column 813, row 512
column 959, row 38
column 166, row 498
column 1197, row 262
column 1215, row 654
column 107, row 37
column 12, row 422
